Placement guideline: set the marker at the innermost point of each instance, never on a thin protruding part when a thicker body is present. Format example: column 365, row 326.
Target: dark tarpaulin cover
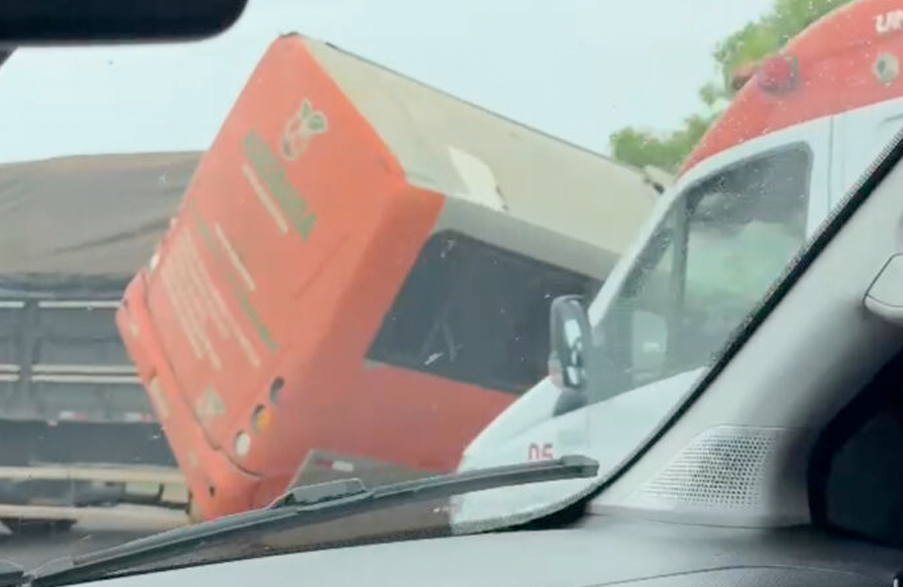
column 84, row 225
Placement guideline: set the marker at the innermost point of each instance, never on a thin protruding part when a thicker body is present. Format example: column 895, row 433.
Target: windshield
column 325, row 245
column 708, row 264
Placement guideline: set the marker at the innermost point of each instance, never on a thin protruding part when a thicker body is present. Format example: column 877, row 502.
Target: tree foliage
column 751, row 43
column 662, row 150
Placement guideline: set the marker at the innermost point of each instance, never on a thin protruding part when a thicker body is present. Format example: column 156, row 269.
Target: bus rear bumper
column 217, row 486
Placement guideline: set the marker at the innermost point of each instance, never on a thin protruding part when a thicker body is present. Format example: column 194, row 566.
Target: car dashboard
column 599, row 550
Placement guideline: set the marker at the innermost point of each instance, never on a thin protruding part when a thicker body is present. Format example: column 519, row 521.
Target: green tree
column 662, row 150
column 751, row 43
column 768, row 34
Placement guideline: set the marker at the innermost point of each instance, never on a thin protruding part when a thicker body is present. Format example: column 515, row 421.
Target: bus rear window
column 475, row 313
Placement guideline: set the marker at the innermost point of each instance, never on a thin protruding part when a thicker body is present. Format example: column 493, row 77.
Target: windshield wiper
column 303, row 506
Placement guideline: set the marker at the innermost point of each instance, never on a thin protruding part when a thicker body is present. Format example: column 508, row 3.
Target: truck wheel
column 29, row 526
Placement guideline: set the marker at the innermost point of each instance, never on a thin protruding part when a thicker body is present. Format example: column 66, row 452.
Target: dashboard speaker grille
column 724, row 468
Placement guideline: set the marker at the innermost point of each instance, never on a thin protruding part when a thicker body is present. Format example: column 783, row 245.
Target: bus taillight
column 242, row 444
column 260, row 419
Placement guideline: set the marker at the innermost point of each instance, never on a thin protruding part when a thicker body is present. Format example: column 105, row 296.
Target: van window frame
column 621, row 328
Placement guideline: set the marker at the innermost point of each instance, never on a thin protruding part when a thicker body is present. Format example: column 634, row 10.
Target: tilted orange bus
column 285, row 335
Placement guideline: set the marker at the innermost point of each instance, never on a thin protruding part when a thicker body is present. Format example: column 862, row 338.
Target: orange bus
column 285, row 336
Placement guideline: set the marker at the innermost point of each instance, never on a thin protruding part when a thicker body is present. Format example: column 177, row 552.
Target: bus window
column 495, row 334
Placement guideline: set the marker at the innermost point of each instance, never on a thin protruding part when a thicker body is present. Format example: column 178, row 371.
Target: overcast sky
column 578, row 69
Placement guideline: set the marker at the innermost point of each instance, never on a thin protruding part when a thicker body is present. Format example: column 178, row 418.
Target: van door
column 859, row 136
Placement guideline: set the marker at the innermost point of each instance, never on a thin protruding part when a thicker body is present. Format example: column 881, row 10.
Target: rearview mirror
column 47, row 22
column 570, row 333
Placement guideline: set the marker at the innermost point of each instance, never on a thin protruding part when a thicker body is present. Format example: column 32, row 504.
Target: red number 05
column 539, row 453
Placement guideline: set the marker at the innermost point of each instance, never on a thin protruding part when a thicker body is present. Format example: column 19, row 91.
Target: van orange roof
column 836, row 60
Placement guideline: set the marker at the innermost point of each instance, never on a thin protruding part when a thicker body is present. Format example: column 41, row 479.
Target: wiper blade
column 303, row 506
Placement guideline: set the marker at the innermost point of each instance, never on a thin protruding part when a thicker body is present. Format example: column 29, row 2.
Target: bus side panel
column 326, row 404
column 272, row 202
column 441, row 416
column 217, row 486
column 261, row 267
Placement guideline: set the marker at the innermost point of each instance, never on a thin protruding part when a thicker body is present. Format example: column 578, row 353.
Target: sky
column 578, row 69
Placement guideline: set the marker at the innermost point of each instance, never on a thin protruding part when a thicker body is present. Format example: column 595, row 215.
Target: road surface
column 91, row 533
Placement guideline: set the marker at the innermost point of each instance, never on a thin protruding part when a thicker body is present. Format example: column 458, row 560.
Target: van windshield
column 706, row 267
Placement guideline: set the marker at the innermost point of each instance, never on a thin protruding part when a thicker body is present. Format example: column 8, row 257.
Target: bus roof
column 468, row 153
column 856, row 47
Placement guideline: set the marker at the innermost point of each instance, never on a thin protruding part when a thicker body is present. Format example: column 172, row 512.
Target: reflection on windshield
column 710, row 262
column 270, row 260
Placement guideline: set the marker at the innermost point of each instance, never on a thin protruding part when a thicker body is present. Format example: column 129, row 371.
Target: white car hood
column 609, row 431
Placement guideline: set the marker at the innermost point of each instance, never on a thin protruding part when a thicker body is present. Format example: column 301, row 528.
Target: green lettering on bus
column 247, row 307
column 271, row 172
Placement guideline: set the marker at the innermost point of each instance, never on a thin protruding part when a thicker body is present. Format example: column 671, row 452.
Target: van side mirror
column 571, row 340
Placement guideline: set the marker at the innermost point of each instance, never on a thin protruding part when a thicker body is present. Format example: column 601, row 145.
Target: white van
column 758, row 187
